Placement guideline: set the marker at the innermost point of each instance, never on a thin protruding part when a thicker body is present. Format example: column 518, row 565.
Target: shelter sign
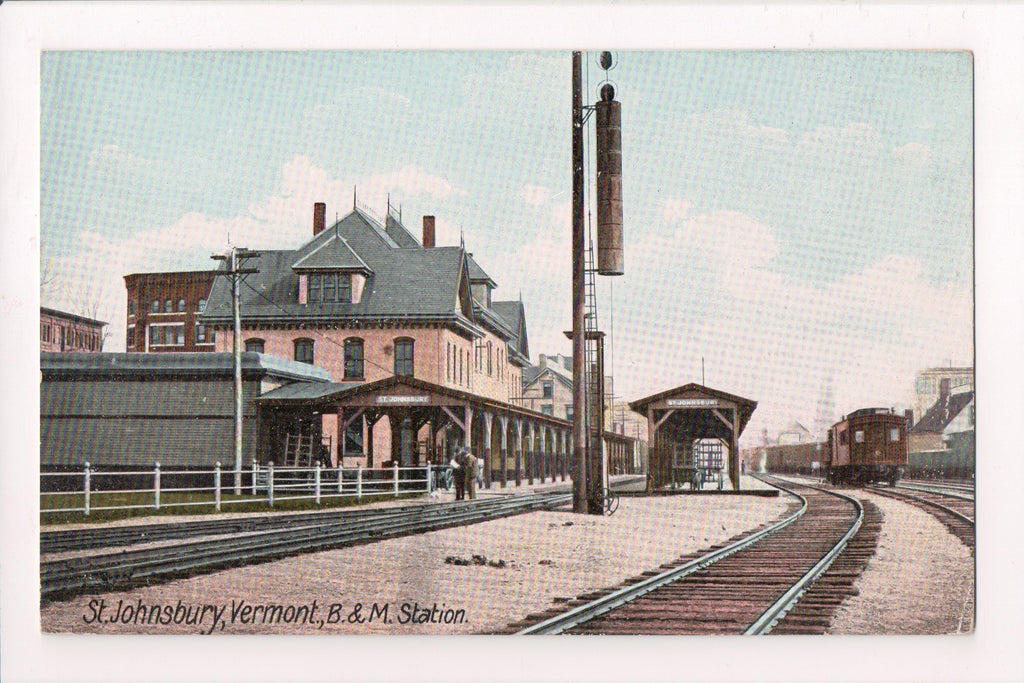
column 403, row 400
column 693, row 403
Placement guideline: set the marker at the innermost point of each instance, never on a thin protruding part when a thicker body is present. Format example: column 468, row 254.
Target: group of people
column 465, row 470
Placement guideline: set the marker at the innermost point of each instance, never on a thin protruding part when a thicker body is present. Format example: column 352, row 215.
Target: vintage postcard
column 447, row 338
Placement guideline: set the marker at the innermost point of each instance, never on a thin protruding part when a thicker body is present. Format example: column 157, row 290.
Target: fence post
column 359, row 482
column 317, row 482
column 341, row 474
column 87, row 485
column 430, row 484
column 255, row 469
column 216, row 485
column 270, row 483
column 156, row 486
column 396, row 480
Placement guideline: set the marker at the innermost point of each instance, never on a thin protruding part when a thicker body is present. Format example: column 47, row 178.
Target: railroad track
column 956, row 512
column 124, row 568
column 787, row 577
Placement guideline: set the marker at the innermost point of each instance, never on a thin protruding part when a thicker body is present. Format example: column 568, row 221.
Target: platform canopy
column 678, row 417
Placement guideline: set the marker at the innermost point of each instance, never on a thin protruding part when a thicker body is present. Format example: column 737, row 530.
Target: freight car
column 867, row 446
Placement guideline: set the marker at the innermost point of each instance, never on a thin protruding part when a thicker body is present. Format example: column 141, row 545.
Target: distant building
column 61, row 332
column 547, row 386
column 952, row 412
column 928, row 386
column 164, row 312
column 794, row 433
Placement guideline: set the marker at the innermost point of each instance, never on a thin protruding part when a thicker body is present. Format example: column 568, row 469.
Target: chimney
column 909, row 413
column 319, row 217
column 428, row 232
column 944, row 388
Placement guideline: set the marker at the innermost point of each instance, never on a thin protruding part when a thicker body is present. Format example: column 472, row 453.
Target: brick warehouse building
column 164, row 310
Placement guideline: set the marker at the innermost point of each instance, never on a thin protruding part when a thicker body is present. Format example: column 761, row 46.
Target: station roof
column 696, row 392
column 392, row 392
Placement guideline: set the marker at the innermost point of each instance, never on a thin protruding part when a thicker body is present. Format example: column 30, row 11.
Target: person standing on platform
column 458, row 474
column 469, row 469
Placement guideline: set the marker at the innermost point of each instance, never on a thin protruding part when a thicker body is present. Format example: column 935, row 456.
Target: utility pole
column 235, row 259
column 579, row 389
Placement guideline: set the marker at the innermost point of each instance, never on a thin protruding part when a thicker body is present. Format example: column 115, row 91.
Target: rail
column 583, row 613
column 778, row 610
column 123, row 568
column 92, row 490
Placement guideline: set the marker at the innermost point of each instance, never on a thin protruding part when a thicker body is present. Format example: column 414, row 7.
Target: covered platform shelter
column 410, row 422
column 679, row 419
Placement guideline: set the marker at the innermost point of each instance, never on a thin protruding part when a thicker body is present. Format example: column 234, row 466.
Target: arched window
column 304, row 350
column 202, row 305
column 353, row 358
column 168, row 306
column 404, row 357
column 131, row 308
column 181, row 305
column 255, row 345
column 156, row 306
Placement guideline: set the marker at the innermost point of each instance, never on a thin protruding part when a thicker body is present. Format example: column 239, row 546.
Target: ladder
column 593, row 371
column 298, row 450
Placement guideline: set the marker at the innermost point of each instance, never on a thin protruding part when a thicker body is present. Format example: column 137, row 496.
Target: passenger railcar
column 866, row 446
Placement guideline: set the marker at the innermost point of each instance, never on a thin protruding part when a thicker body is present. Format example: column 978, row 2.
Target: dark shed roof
column 104, row 365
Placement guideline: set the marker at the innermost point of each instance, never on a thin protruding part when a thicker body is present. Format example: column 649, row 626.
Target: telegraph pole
column 588, row 451
column 235, row 259
column 579, row 388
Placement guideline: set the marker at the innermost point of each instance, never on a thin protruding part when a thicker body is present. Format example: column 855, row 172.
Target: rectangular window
column 842, row 438
column 314, row 288
column 547, row 409
column 894, row 434
column 490, row 360
column 858, row 436
column 344, row 288
column 200, row 334
column 130, row 339
column 156, row 336
column 404, row 357
column 354, row 359
column 354, row 438
column 548, row 389
column 568, row 412
column 329, row 282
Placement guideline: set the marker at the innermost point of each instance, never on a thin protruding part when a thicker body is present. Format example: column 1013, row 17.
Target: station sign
column 403, row 400
column 692, row 403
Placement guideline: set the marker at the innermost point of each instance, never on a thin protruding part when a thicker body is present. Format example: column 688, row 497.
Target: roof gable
column 333, row 254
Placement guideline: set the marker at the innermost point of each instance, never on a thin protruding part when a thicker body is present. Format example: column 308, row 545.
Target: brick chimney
column 944, row 388
column 428, row 232
column 319, row 217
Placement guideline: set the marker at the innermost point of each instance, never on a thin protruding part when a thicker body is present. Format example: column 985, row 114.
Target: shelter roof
column 693, row 391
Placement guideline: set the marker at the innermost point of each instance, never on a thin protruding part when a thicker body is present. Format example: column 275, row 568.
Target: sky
column 793, row 220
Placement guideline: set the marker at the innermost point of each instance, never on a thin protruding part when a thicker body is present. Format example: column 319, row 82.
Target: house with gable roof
column 367, row 301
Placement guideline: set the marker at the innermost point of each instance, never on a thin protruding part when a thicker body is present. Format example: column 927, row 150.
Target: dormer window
column 329, row 288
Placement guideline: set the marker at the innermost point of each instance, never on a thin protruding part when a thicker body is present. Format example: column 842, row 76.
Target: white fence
column 265, row 483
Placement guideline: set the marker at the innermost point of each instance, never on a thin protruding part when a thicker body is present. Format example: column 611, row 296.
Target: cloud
column 534, row 195
column 675, row 209
column 912, row 152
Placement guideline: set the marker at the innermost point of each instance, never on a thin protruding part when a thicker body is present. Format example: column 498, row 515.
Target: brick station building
column 401, row 325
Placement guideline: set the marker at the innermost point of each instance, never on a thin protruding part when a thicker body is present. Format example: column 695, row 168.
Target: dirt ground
column 920, row 581
column 393, row 586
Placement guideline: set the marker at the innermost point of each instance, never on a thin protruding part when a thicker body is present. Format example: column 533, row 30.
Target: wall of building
column 124, row 422
column 440, row 356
